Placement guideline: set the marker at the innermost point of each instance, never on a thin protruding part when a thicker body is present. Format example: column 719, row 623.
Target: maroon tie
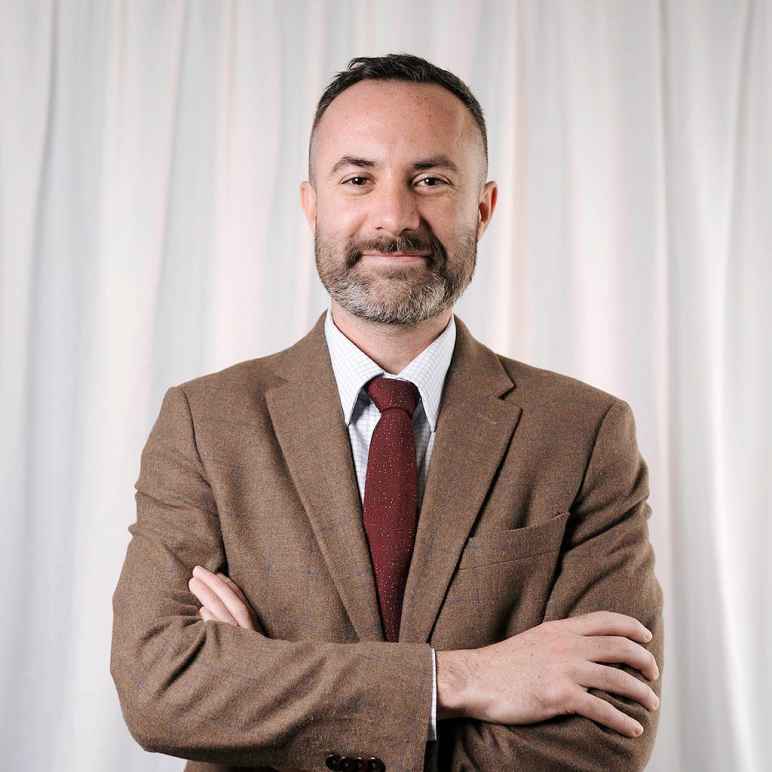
column 390, row 513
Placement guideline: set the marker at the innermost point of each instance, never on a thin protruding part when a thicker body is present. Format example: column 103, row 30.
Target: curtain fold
column 151, row 231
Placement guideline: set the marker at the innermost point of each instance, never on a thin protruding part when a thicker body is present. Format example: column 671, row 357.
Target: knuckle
column 640, row 692
column 556, row 695
column 630, row 649
column 575, row 671
column 617, row 680
column 571, row 698
column 604, row 677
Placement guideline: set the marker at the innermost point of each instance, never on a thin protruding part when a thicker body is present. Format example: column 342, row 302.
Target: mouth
column 399, row 256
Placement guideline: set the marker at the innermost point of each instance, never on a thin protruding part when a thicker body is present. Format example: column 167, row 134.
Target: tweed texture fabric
column 535, row 509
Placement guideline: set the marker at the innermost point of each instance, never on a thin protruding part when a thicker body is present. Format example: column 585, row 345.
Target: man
column 305, row 590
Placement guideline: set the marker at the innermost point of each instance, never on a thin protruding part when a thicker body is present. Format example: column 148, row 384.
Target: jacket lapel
column 474, row 427
column 308, row 420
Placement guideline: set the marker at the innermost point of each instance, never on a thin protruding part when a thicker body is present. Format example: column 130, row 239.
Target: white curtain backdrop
column 150, row 231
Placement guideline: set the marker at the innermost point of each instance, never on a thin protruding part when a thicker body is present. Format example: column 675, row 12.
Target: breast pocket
column 514, row 544
column 501, row 585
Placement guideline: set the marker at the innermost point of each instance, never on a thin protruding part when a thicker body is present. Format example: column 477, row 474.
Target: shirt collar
column 353, row 368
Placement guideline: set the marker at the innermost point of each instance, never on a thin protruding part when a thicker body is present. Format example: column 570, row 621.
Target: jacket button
column 333, row 761
column 374, row 764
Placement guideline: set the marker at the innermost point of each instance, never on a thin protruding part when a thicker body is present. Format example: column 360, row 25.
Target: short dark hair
column 405, row 67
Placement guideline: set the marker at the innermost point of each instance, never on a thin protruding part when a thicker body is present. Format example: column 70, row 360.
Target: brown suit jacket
column 535, row 509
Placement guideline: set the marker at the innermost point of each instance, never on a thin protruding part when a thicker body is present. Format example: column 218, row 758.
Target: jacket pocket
column 514, row 544
column 501, row 585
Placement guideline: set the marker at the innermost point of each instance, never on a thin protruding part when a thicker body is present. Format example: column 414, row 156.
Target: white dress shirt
column 353, row 369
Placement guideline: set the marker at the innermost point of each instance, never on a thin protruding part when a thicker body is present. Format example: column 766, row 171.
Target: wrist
column 454, row 677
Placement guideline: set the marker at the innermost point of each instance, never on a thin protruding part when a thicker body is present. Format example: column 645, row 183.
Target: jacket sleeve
column 214, row 692
column 608, row 564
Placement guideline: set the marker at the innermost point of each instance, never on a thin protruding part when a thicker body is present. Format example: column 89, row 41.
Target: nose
column 395, row 208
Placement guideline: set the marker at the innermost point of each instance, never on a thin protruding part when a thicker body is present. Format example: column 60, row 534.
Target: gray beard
column 438, row 289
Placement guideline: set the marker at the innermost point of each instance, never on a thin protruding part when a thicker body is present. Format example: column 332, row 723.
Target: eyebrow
column 435, row 162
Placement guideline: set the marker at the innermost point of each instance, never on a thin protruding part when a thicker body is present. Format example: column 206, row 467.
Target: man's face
column 398, row 168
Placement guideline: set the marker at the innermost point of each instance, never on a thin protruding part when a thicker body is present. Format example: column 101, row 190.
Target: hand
column 546, row 671
column 222, row 599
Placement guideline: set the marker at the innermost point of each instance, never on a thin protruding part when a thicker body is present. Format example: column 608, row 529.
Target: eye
column 433, row 180
column 351, row 179
column 436, row 179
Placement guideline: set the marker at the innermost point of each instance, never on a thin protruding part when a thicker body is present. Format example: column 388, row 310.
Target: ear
column 486, row 206
column 308, row 202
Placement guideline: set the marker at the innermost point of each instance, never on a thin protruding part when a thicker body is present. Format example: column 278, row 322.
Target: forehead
column 389, row 120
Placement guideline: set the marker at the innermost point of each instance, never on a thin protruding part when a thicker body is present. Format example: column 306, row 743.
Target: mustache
column 407, row 243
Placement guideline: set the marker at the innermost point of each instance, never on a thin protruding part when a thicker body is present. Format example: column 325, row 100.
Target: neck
column 391, row 346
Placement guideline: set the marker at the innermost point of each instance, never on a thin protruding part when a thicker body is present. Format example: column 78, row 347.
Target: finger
column 238, row 609
column 207, row 615
column 212, row 600
column 608, row 623
column 616, row 681
column 603, row 712
column 256, row 625
column 235, row 588
column 621, row 650
column 243, row 598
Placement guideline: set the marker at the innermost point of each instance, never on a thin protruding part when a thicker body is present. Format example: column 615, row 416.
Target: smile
column 400, row 256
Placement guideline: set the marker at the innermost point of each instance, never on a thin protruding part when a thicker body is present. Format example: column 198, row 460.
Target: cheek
column 465, row 222
column 445, row 226
column 338, row 221
column 448, row 216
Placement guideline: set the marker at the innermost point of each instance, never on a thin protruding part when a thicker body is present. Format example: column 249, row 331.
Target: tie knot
column 392, row 392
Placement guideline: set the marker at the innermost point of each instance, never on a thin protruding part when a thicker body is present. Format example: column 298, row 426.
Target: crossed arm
column 174, row 671
column 221, row 694
column 608, row 565
column 610, row 523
